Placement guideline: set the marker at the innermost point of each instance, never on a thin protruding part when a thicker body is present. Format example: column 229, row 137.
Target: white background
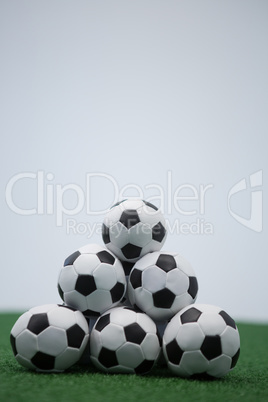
column 135, row 89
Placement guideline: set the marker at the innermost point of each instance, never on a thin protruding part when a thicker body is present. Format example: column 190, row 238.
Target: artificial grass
column 248, row 381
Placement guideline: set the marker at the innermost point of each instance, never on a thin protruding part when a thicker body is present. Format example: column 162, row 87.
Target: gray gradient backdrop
column 135, row 89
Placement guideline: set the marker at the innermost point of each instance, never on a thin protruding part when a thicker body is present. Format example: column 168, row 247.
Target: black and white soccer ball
column 133, row 228
column 161, row 284
column 49, row 338
column 201, row 339
column 124, row 341
column 92, row 280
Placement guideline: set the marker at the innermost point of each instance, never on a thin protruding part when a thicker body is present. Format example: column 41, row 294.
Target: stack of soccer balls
column 125, row 304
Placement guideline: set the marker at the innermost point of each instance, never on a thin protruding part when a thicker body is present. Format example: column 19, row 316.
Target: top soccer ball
column 133, row 228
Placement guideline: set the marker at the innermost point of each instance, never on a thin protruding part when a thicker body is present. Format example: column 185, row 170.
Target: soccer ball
column 201, row 339
column 161, row 284
column 133, row 228
column 92, row 280
column 49, row 338
column 124, row 341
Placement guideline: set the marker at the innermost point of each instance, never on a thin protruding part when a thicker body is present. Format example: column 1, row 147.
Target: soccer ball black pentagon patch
column 38, row 323
column 75, row 336
column 102, row 322
column 117, row 291
column 127, row 267
column 43, row 361
column 85, row 284
column 134, row 333
column 235, row 358
column 163, row 298
column 105, row 256
column 129, row 218
column 71, row 259
column 131, row 251
column 144, row 367
column 105, row 234
column 166, row 262
column 174, row 352
column 158, row 232
column 108, row 357
column 13, row 344
column 229, row 321
column 149, row 204
column 60, row 292
column 211, row 347
column 193, row 286
column 135, row 278
column 191, row 315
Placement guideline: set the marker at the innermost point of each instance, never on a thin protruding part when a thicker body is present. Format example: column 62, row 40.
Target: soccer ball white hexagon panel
column 92, row 280
column 49, row 338
column 133, row 228
column 201, row 339
column 124, row 341
column 160, row 286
